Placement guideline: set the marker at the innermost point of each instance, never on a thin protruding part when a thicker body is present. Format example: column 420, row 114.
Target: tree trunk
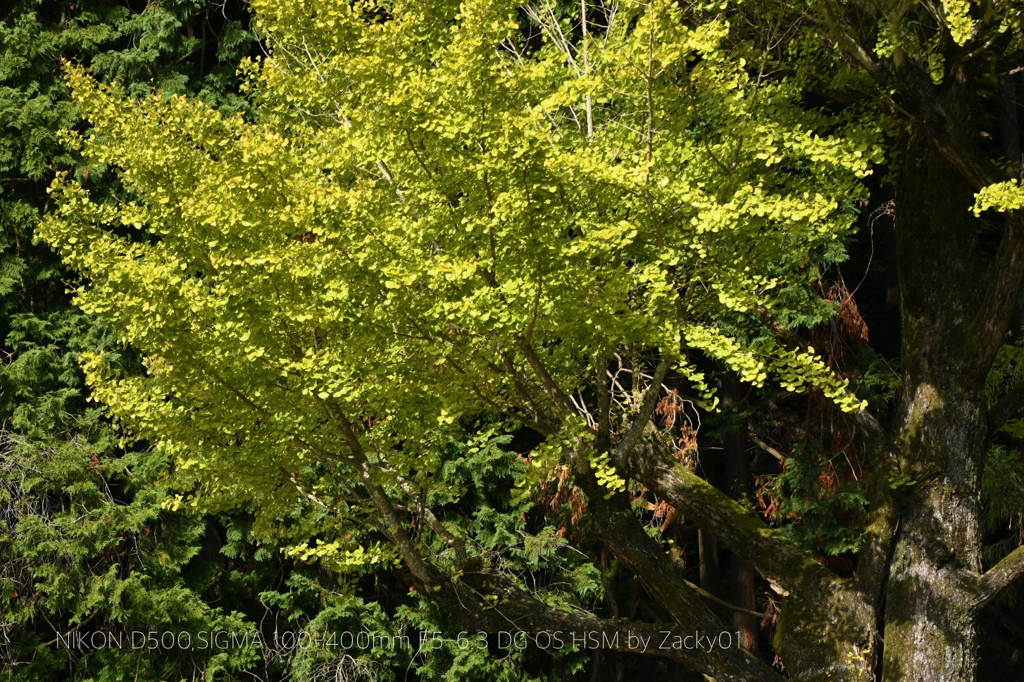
column 740, row 575
column 929, row 630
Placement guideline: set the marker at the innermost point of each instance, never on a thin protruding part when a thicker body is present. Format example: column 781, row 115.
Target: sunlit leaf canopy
column 444, row 208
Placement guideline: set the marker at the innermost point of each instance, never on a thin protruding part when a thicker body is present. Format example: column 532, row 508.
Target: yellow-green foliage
column 418, row 201
column 961, row 27
column 1001, row 196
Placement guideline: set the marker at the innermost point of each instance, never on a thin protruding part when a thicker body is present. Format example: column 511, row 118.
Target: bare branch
column 647, row 407
column 843, row 35
column 621, row 531
column 721, row 602
column 767, row 448
column 561, row 400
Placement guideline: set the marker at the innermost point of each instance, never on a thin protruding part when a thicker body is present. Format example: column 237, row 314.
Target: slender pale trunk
column 586, row 68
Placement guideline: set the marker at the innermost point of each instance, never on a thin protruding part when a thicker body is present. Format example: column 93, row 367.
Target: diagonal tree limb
column 1004, row 281
column 557, row 395
column 813, row 594
column 621, row 531
column 999, row 577
column 647, row 407
column 1005, row 409
column 774, row 452
column 773, row 555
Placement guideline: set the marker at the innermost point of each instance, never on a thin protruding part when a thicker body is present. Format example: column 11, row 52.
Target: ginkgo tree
column 443, row 210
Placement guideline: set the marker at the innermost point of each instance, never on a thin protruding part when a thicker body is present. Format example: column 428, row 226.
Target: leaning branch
column 1000, row 576
column 844, row 35
column 721, row 602
column 621, row 531
column 776, row 558
column 767, row 448
column 557, row 395
column 419, row 567
column 1004, row 282
column 1005, row 409
column 647, row 406
column 809, row 587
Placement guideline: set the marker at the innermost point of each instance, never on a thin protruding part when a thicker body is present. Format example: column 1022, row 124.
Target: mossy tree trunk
column 941, row 429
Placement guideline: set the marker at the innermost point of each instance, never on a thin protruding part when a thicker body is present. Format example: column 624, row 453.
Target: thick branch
column 811, row 638
column 395, row 526
column 621, row 531
column 923, row 104
column 846, row 37
column 766, row 549
column 1004, row 282
column 1005, row 409
column 1000, row 576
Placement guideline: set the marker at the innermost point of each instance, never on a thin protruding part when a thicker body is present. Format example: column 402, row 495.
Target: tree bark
column 930, row 631
column 826, row 630
column 740, row 587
